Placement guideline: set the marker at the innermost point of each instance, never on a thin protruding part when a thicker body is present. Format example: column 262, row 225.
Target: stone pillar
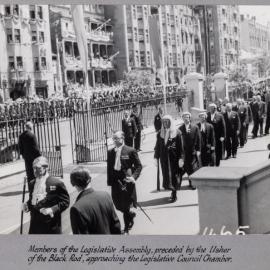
column 221, row 85
column 217, row 195
column 194, row 82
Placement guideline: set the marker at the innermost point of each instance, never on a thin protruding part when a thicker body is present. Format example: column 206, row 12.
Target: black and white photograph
column 115, row 119
column 135, row 120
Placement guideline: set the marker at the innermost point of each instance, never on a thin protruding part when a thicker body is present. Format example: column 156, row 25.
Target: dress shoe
column 132, row 215
column 125, row 232
column 173, row 197
column 234, row 156
column 192, row 187
column 228, row 157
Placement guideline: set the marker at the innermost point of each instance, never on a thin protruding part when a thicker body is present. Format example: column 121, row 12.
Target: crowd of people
column 219, row 133
column 63, row 107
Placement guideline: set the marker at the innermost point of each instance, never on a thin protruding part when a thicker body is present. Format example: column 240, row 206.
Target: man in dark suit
column 217, row 120
column 267, row 110
column 232, row 123
column 136, row 116
column 129, row 128
column 258, row 116
column 208, row 143
column 48, row 199
column 191, row 145
column 29, row 149
column 123, row 168
column 158, row 118
column 244, row 121
column 93, row 212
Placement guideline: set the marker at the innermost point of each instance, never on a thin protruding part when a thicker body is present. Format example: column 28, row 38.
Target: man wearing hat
column 208, row 142
column 217, row 120
column 191, row 145
column 47, row 201
column 93, row 212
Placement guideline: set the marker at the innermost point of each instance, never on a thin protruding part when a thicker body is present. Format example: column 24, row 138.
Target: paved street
column 181, row 217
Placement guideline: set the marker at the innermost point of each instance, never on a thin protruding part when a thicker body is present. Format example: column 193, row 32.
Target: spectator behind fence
column 93, row 212
column 29, row 150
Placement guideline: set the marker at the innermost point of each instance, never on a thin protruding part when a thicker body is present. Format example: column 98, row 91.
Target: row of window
column 227, row 29
column 143, row 58
column 35, row 12
column 143, row 36
column 231, row 44
column 14, row 36
column 17, row 63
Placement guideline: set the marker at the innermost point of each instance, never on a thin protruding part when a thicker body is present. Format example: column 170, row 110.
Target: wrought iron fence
column 46, row 129
column 92, row 126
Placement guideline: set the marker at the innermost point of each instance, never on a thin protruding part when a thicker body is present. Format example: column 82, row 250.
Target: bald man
column 123, row 168
column 29, row 150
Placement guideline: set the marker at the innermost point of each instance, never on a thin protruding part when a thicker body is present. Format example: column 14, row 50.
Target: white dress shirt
column 117, row 164
column 213, row 116
column 39, row 192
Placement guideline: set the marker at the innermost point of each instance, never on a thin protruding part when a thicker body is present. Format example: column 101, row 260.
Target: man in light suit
column 93, row 212
column 123, row 168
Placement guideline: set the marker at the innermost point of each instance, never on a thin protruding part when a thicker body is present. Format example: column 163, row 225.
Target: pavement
column 181, row 217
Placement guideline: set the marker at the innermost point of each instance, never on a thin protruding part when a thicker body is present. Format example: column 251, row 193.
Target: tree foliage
column 263, row 64
column 237, row 76
column 138, row 78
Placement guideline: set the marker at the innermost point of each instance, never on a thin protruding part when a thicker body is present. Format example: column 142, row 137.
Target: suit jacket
column 243, row 114
column 129, row 160
column 28, row 145
column 138, row 121
column 191, row 138
column 210, row 140
column 130, row 166
column 93, row 213
column 218, row 124
column 129, row 127
column 258, row 110
column 191, row 144
column 232, row 123
column 56, row 198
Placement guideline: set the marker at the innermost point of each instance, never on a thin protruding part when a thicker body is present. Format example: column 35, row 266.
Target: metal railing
column 92, row 126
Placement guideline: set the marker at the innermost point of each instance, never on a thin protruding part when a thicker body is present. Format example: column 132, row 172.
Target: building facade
column 25, row 51
column 132, row 38
column 99, row 33
column 255, row 37
column 220, row 37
